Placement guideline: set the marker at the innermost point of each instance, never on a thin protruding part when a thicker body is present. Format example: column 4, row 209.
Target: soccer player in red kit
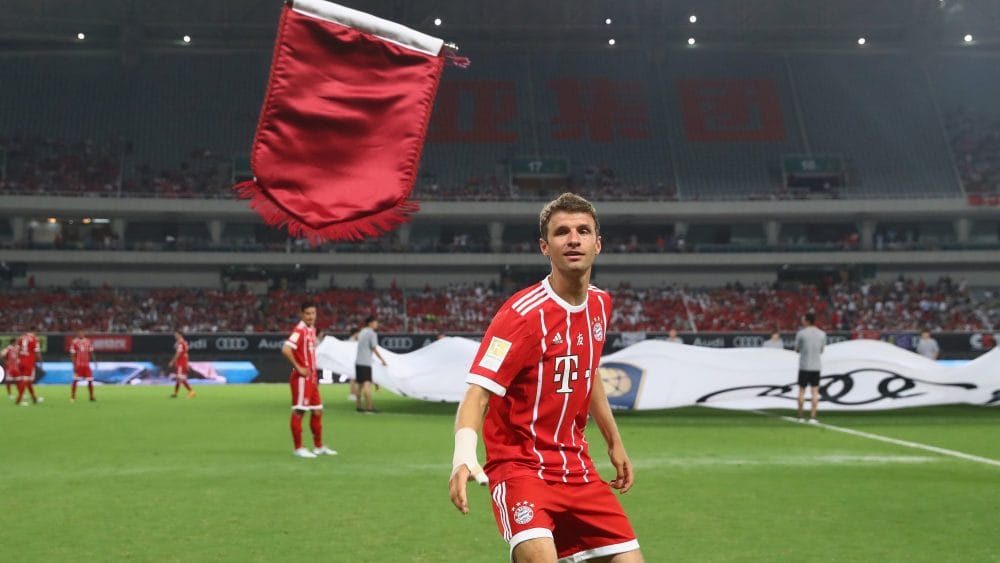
column 532, row 385
column 29, row 352
column 81, row 350
column 180, row 362
column 12, row 364
column 300, row 351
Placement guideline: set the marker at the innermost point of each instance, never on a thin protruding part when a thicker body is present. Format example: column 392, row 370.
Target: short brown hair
column 568, row 203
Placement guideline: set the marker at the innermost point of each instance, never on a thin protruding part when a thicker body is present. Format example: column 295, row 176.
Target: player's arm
column 379, row 356
column 600, row 410
column 289, row 355
column 468, row 425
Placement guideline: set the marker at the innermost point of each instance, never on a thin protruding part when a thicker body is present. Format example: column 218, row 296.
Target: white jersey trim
column 562, row 302
column 525, row 535
column 517, row 305
column 305, row 408
column 290, row 344
column 603, row 551
column 500, row 500
column 562, row 413
column 538, row 396
column 486, row 383
column 535, row 302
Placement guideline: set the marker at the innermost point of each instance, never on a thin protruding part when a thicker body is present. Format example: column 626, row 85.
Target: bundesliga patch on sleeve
column 495, row 354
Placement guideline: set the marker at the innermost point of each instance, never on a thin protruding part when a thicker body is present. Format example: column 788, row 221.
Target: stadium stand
column 695, row 125
column 903, row 304
column 879, row 112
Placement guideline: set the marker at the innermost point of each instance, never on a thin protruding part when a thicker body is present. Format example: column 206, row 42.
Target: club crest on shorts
column 598, row 331
column 523, row 511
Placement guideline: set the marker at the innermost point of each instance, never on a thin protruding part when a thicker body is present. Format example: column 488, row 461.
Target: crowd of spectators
column 908, row 304
column 901, row 305
column 68, row 167
column 37, row 165
column 130, row 311
column 92, row 167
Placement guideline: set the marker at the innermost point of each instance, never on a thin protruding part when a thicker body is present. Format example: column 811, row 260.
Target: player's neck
column 572, row 289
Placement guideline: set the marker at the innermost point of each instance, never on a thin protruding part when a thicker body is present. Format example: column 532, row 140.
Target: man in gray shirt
column 809, row 343
column 927, row 346
column 367, row 346
column 774, row 342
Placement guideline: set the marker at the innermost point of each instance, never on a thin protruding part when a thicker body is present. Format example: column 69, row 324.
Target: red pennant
column 339, row 140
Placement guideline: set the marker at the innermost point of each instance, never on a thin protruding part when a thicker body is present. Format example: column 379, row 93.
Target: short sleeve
column 507, row 349
column 293, row 340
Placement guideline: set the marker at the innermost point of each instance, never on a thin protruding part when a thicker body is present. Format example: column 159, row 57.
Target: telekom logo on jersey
column 566, row 371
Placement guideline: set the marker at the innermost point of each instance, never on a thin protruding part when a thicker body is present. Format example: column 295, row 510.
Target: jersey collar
column 562, row 302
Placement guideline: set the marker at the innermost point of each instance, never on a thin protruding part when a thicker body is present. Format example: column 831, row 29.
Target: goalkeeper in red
column 532, row 385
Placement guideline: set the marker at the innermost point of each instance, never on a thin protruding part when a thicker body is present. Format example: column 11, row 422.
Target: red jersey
column 11, row 361
column 181, row 347
column 28, row 348
column 302, row 341
column 80, row 350
column 539, row 359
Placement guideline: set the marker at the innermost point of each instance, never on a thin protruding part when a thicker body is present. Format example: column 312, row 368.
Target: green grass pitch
column 141, row 477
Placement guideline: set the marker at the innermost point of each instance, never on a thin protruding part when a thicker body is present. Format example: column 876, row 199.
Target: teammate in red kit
column 81, row 350
column 11, row 364
column 300, row 351
column 537, row 372
column 180, row 362
column 29, row 353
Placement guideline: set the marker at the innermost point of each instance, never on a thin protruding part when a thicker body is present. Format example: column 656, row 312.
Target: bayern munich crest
column 598, row 332
column 523, row 511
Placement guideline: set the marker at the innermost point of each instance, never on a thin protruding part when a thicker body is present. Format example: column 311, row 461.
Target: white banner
column 654, row 374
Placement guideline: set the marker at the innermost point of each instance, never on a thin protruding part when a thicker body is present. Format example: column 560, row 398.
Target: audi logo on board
column 232, row 343
column 747, row 341
column 395, row 343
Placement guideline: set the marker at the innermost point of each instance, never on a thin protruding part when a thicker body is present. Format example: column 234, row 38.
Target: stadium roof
column 249, row 24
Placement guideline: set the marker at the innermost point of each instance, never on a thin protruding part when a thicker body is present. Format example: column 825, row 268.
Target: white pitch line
column 905, row 443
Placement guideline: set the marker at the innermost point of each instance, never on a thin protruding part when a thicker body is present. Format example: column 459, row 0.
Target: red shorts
column 305, row 393
column 584, row 521
column 83, row 372
column 182, row 371
column 25, row 374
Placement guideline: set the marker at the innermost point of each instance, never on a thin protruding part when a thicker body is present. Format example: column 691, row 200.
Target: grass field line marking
column 804, row 460
column 896, row 441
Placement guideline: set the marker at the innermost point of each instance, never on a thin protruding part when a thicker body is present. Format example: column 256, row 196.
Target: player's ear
column 543, row 245
column 598, row 245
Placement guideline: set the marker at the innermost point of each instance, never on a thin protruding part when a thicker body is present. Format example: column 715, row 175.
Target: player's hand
column 303, row 371
column 385, row 364
column 625, row 474
column 456, row 487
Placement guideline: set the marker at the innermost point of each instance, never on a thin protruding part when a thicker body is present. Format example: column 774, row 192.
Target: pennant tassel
column 374, row 225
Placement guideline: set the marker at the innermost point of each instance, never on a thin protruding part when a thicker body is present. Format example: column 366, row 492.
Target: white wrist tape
column 466, row 441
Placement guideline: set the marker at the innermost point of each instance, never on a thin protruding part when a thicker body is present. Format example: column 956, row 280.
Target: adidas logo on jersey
column 557, row 339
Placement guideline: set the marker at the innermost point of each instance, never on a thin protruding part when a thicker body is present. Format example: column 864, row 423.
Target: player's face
column 572, row 243
column 309, row 316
